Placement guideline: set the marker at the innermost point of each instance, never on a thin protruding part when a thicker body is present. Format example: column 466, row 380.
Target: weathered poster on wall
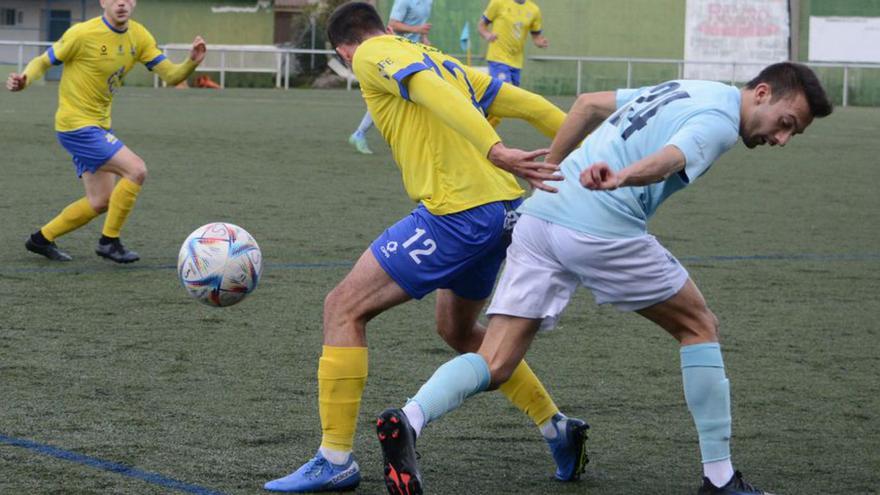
column 845, row 39
column 744, row 35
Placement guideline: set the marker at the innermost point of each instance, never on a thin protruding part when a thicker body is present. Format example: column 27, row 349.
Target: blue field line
column 72, row 268
column 114, row 467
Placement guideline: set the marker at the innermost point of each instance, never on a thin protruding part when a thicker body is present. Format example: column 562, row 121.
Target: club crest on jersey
column 121, row 50
column 103, row 49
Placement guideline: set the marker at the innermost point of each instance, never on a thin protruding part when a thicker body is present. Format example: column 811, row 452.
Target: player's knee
column 138, row 172
column 339, row 315
column 99, row 204
column 454, row 336
column 705, row 328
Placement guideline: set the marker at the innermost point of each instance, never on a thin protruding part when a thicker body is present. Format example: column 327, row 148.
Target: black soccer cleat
column 115, row 251
column 49, row 250
column 736, row 486
column 400, row 460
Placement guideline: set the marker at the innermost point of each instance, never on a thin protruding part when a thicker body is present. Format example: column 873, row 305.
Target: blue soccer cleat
column 319, row 475
column 568, row 447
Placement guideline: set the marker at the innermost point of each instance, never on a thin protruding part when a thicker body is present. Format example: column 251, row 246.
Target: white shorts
column 546, row 263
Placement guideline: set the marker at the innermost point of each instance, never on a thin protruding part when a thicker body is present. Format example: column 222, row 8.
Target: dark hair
column 785, row 78
column 350, row 22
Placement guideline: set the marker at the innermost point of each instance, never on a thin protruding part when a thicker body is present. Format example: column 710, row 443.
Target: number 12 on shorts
column 429, row 246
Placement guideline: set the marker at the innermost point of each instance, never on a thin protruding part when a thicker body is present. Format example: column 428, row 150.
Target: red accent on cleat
column 379, row 422
column 394, row 419
column 395, row 433
column 381, row 436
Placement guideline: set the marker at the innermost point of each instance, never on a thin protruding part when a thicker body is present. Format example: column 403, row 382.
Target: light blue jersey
column 700, row 118
column 412, row 13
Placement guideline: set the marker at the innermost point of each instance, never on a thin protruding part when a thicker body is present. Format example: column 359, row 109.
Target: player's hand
column 199, row 48
column 425, row 40
column 600, row 177
column 491, row 37
column 424, row 28
column 522, row 164
column 542, row 42
column 16, row 82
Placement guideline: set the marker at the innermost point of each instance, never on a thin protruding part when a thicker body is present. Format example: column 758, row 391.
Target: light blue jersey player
column 700, row 118
column 409, row 18
column 645, row 145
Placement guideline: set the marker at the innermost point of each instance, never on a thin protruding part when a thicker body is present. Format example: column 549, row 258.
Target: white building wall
column 33, row 26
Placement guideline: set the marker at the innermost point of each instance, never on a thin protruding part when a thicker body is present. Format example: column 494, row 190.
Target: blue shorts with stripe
column 504, row 73
column 90, row 147
column 461, row 251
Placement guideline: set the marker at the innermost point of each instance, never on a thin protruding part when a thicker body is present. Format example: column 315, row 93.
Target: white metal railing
column 681, row 63
column 220, row 59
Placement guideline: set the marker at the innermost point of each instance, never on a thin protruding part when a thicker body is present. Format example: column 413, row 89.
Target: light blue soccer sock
column 707, row 392
column 364, row 126
column 451, row 384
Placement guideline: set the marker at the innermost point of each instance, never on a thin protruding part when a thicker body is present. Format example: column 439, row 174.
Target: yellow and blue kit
column 512, row 22
column 432, row 110
column 96, row 58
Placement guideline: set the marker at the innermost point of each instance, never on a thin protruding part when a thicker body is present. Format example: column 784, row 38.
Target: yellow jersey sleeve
column 148, row 52
column 492, row 10
column 381, row 66
column 67, row 47
column 430, row 108
column 537, row 24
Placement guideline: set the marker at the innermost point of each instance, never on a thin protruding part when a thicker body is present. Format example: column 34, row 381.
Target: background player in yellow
column 510, row 20
column 97, row 54
column 432, row 111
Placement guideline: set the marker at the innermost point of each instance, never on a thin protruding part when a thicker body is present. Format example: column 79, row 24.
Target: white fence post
column 223, row 69
column 845, row 85
column 579, row 63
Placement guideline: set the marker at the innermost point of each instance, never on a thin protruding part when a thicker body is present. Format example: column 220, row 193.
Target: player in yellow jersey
column 432, row 111
column 510, row 20
column 97, row 54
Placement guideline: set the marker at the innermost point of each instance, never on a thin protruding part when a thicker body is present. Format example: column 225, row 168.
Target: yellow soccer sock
column 121, row 203
column 342, row 375
column 72, row 217
column 528, row 394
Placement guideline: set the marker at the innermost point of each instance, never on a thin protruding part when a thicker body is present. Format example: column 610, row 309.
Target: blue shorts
column 90, row 147
column 504, row 73
column 462, row 251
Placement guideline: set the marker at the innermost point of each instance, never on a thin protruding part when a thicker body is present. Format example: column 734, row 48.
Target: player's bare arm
column 586, row 114
column 400, row 27
column 653, row 168
column 483, row 29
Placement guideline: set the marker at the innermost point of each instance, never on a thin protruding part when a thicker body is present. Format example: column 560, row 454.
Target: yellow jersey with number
column 440, row 167
column 512, row 22
column 96, row 58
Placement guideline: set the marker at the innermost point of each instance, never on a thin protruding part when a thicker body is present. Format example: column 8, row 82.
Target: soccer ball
column 219, row 264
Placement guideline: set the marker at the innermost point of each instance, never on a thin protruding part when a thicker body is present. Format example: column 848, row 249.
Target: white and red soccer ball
column 219, row 264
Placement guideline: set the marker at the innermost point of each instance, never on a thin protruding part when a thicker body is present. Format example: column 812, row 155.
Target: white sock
column 415, row 415
column 718, row 472
column 548, row 429
column 338, row 457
